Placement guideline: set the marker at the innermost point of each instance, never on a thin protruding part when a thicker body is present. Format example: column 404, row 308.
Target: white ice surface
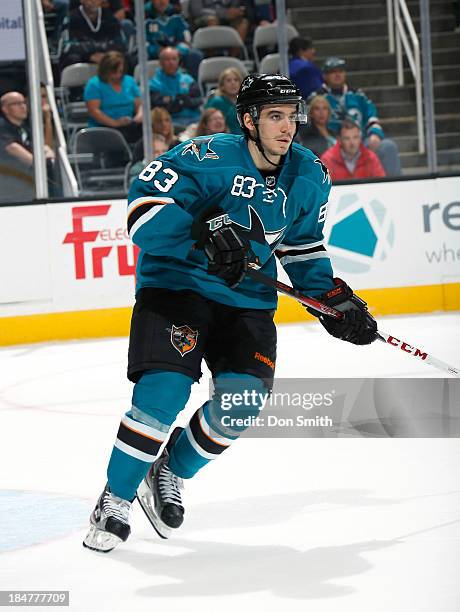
column 359, row 525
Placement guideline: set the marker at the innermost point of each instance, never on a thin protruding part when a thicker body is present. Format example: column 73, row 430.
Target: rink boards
column 68, row 269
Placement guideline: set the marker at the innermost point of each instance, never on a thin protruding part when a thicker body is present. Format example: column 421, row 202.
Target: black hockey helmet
column 258, row 90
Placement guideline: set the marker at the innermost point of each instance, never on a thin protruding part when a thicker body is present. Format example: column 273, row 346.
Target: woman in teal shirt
column 113, row 98
column 225, row 97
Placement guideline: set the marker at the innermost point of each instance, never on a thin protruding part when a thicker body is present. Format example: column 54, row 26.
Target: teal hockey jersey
column 282, row 215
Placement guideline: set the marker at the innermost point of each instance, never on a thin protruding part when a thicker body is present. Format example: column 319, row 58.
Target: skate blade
column 145, row 497
column 100, row 540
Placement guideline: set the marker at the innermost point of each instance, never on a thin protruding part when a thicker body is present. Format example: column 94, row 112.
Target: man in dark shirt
column 15, row 144
column 16, row 159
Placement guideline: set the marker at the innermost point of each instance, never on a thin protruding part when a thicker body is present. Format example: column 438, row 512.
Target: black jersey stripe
column 138, row 441
column 202, row 439
column 139, row 211
column 295, row 252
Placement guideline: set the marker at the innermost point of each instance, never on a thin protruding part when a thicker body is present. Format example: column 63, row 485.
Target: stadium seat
column 152, row 65
column 270, row 64
column 211, row 67
column 267, row 36
column 100, row 155
column 74, row 113
column 219, row 37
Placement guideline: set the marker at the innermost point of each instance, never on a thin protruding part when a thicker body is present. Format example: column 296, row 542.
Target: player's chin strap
column 261, row 149
column 258, row 143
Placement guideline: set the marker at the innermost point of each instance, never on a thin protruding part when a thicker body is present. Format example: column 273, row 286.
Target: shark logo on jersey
column 257, row 232
column 326, row 175
column 201, row 147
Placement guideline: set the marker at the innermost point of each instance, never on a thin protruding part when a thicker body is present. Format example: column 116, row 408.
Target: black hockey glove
column 358, row 326
column 226, row 251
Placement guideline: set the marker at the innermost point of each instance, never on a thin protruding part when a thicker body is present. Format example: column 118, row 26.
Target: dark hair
column 298, row 43
column 109, row 63
column 349, row 124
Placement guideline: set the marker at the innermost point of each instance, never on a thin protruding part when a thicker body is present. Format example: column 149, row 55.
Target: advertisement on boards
column 77, row 255
column 12, row 48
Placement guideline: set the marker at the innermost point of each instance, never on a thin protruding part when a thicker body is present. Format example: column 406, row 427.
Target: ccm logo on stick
column 407, row 348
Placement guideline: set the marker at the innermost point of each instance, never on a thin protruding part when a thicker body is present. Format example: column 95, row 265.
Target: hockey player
column 200, row 214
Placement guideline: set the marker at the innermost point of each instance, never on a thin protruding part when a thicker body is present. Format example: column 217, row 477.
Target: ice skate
column 109, row 523
column 159, row 494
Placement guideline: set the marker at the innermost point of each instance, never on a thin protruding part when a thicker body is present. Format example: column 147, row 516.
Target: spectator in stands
column 224, row 98
column 118, row 9
column 60, row 8
column 347, row 103
column 16, row 157
column 113, row 98
column 262, row 12
column 162, row 124
column 159, row 147
column 212, row 121
column 92, row 31
column 315, row 134
column 152, row 13
column 349, row 159
column 302, row 69
column 219, row 12
column 171, row 31
column 48, row 128
column 177, row 91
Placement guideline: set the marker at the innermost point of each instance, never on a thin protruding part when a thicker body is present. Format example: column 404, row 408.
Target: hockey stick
column 389, row 340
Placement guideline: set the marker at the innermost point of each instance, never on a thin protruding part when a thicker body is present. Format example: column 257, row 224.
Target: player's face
column 277, row 127
column 350, row 141
column 335, row 78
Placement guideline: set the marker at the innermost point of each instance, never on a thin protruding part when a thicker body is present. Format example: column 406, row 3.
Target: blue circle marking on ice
column 35, row 517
